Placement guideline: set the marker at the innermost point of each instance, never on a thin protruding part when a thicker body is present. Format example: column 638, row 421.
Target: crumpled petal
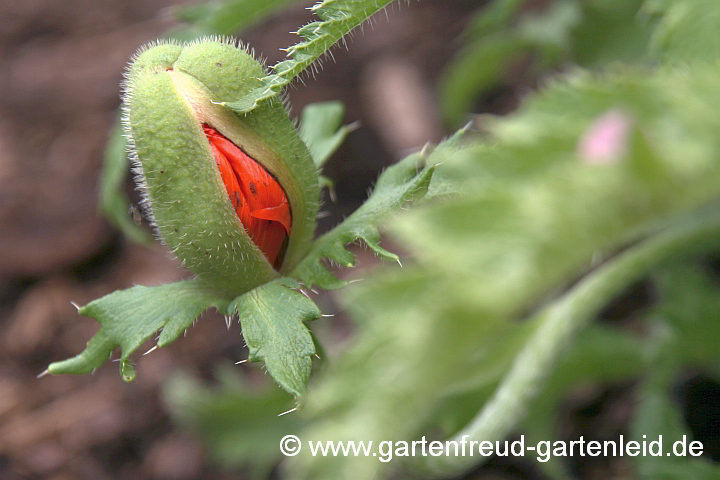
column 258, row 199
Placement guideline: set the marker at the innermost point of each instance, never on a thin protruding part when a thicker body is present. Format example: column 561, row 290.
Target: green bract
column 171, row 91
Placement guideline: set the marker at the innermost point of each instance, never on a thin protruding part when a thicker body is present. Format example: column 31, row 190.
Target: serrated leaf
column 408, row 181
column 337, row 19
column 114, row 202
column 273, row 320
column 397, row 187
column 322, row 130
column 130, row 317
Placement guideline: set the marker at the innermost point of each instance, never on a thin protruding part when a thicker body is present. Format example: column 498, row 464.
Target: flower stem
column 558, row 323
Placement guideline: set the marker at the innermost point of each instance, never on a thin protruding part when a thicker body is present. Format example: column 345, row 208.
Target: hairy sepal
column 170, row 92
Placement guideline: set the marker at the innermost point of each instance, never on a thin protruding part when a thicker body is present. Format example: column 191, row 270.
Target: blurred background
column 411, row 76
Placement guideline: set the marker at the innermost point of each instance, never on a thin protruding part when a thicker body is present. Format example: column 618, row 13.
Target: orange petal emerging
column 258, row 199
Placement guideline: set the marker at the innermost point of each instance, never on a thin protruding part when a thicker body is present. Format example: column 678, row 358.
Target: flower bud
column 234, row 196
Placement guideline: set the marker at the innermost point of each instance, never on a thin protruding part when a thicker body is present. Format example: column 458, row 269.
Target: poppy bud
column 234, row 196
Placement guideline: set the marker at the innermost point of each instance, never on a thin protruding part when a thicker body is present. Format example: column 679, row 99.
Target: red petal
column 259, row 201
column 280, row 214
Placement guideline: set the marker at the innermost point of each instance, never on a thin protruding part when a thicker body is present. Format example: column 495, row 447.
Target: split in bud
column 258, row 199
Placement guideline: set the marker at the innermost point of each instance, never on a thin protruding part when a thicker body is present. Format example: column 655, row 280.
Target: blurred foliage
column 534, row 216
column 592, row 33
column 619, row 148
column 684, row 334
column 226, row 17
column 239, row 424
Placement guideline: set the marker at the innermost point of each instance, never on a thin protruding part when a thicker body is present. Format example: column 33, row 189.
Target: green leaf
column 114, row 202
column 599, row 355
column 227, row 17
column 494, row 16
column 495, row 42
column 272, row 318
column 326, row 182
column 588, row 361
column 238, row 423
column 684, row 333
column 690, row 306
column 686, row 31
column 397, row 187
column 322, row 130
column 337, row 18
column 534, row 188
column 591, row 34
column 476, row 69
column 611, row 31
column 657, row 416
column 130, row 317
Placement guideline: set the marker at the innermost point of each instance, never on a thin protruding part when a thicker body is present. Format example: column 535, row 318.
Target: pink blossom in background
column 606, row 140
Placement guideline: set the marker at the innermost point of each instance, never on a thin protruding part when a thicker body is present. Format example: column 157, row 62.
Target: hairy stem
column 559, row 322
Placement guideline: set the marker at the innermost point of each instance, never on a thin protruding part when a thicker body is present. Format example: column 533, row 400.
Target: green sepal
column 272, row 318
column 181, row 183
column 130, row 317
column 268, row 134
